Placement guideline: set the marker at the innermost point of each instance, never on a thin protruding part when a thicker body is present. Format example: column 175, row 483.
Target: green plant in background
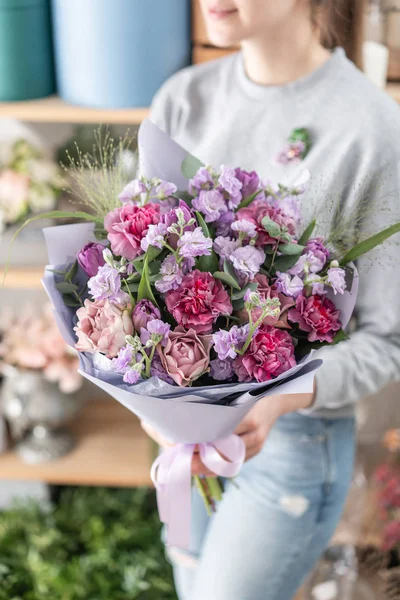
column 94, row 544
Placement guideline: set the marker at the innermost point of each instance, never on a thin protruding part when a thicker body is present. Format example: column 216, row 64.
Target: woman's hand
column 254, row 428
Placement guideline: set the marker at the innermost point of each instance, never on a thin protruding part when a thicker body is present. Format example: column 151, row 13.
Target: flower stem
column 148, row 360
column 199, row 484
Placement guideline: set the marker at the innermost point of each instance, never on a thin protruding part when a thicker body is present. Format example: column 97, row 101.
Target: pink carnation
column 102, row 327
column 255, row 213
column 128, row 225
column 271, row 352
column 318, row 316
column 186, row 355
column 198, row 302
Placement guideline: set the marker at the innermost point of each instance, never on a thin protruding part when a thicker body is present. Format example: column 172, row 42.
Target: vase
column 37, row 413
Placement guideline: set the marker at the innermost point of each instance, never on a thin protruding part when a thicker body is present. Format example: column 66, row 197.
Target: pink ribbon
column 171, row 474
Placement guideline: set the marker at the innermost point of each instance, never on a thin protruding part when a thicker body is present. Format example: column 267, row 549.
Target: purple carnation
column 250, row 181
column 132, row 191
column 221, row 370
column 227, row 342
column 154, row 236
column 211, row 203
column 201, row 181
column 223, row 224
column 194, row 243
column 106, row 284
column 156, row 331
column 171, row 275
column 157, row 370
column 247, row 260
column 337, row 279
column 231, row 185
column 290, row 286
column 90, row 258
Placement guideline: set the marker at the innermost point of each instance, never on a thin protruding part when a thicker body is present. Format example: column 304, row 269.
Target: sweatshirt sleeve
column 164, row 109
column 370, row 359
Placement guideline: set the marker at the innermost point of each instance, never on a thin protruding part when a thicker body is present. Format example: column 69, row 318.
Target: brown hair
column 342, row 24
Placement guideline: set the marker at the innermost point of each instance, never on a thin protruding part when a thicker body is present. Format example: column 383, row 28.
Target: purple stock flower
column 157, row 370
column 221, row 370
column 144, row 312
column 90, row 258
column 227, row 342
column 154, row 236
column 194, row 243
column 290, row 208
column 123, row 361
column 132, row 191
column 165, row 189
column 247, row 260
column 250, row 181
column 211, row 203
column 231, row 185
column 171, row 275
column 201, row 181
column 291, row 153
column 317, row 284
column 171, row 218
column 132, row 376
column 244, row 226
column 225, row 246
column 307, row 263
column 156, row 331
column 336, row 279
column 223, row 225
column 106, row 284
column 316, row 246
column 290, row 286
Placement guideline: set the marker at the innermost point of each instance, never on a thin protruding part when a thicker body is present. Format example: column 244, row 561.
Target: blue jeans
column 276, row 518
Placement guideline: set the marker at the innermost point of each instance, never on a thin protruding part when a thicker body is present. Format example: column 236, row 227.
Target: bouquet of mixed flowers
column 202, row 293
column 29, row 182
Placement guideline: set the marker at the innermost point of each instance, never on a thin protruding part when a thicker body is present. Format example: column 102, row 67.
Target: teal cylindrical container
column 26, row 55
column 117, row 53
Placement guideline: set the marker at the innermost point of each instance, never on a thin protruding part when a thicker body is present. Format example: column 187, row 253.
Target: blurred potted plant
column 29, row 182
column 40, row 380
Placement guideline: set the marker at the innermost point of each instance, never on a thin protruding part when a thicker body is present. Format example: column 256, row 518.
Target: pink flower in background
column 102, row 327
column 198, row 302
column 186, row 355
column 255, row 213
column 318, row 316
column 128, row 225
column 270, row 353
column 14, row 189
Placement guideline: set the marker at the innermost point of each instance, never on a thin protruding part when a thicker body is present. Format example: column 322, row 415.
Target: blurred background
column 77, row 513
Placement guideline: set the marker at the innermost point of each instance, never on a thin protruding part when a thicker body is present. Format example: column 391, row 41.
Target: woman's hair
column 341, row 23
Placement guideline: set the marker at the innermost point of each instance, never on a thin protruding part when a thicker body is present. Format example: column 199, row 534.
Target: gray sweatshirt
column 219, row 115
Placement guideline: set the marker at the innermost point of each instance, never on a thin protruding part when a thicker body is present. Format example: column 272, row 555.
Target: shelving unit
column 112, row 450
column 23, row 278
column 55, row 110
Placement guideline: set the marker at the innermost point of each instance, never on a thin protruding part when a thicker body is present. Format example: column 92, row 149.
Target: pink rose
column 255, row 213
column 128, row 225
column 269, row 291
column 102, row 327
column 318, row 316
column 198, row 302
column 186, row 355
column 271, row 352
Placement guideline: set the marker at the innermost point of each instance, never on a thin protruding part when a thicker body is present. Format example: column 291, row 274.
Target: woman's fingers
column 157, row 437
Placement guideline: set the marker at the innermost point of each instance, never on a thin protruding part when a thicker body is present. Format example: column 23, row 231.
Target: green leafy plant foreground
column 94, row 544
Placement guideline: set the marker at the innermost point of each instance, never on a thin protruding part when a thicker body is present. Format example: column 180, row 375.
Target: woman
column 273, row 524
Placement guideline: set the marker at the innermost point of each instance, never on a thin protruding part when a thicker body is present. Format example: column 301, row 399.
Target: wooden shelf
column 23, row 278
column 112, row 450
column 55, row 110
column 393, row 89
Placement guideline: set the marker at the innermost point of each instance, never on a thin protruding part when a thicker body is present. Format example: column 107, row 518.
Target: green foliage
column 307, row 233
column 271, row 227
column 95, row 544
column 190, row 166
column 227, row 279
column 144, row 290
column 368, row 244
column 246, row 201
column 207, row 264
column 291, row 249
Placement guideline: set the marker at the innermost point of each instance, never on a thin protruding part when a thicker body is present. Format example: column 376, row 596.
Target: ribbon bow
column 172, row 478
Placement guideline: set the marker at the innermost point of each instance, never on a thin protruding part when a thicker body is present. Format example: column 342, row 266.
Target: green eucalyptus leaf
column 271, row 227
column 238, row 304
column 144, row 290
column 71, row 301
column 284, row 263
column 291, row 249
column 66, row 287
column 72, row 271
column 340, row 336
column 209, row 263
column 246, row 201
column 368, row 244
column 307, row 233
column 190, row 166
column 230, row 281
column 229, row 270
column 253, row 285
